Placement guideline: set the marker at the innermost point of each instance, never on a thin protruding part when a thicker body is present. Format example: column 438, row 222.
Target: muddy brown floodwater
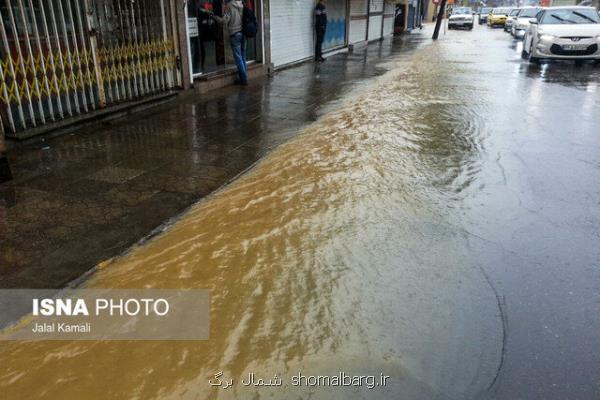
column 335, row 253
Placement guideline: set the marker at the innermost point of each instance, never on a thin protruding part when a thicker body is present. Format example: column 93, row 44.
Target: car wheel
column 524, row 54
column 533, row 59
column 470, row 27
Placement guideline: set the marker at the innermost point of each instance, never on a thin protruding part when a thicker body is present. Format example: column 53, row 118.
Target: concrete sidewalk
column 79, row 199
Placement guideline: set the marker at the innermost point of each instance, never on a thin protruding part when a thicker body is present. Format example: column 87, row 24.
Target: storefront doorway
column 209, row 49
column 400, row 18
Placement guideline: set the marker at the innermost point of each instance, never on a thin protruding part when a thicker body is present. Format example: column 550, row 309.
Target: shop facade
column 62, row 59
column 349, row 22
column 207, row 42
column 293, row 34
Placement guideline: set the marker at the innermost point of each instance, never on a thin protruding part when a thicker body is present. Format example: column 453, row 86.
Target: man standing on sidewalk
column 233, row 20
column 320, row 28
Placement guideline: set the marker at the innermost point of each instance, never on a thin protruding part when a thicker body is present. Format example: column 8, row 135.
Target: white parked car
column 462, row 17
column 571, row 33
column 511, row 18
column 521, row 23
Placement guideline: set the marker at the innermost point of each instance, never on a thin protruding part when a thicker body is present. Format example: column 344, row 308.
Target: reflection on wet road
column 440, row 227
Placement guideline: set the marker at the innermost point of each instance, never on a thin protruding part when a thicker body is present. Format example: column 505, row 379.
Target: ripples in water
column 332, row 255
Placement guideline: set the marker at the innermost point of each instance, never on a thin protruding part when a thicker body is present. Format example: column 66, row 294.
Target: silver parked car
column 521, row 23
column 569, row 32
column 483, row 14
column 462, row 17
column 511, row 18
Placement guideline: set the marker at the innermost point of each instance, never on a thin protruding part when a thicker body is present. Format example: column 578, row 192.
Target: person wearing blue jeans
column 234, row 10
column 238, row 47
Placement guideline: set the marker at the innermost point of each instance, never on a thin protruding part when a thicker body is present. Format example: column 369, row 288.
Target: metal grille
column 61, row 58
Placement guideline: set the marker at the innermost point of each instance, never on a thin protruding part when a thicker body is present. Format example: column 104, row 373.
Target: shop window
column 208, row 41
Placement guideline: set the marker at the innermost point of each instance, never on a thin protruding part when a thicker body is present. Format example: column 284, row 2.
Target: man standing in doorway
column 232, row 18
column 320, row 28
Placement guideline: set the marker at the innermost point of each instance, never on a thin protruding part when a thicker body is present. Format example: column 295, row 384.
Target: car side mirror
column 533, row 21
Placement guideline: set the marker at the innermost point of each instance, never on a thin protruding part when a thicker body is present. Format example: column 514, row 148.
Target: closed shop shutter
column 388, row 18
column 375, row 19
column 358, row 21
column 335, row 36
column 292, row 37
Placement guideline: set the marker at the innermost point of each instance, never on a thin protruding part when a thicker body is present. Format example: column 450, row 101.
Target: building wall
column 432, row 11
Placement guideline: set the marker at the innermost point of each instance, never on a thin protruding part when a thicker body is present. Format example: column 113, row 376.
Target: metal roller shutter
column 358, row 21
column 375, row 19
column 388, row 18
column 292, row 37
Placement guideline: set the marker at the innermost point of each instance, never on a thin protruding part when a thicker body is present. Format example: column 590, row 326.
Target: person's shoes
column 240, row 82
column 320, row 59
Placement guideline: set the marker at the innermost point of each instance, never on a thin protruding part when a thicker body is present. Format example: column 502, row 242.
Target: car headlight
column 545, row 36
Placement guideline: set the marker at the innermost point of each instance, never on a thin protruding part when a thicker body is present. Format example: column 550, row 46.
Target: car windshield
column 499, row 11
column 528, row 12
column 462, row 11
column 514, row 12
column 486, row 10
column 571, row 16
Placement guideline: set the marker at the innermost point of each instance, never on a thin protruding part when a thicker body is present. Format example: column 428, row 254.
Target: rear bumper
column 496, row 22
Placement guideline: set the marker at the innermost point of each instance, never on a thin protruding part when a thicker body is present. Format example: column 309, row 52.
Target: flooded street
column 440, row 225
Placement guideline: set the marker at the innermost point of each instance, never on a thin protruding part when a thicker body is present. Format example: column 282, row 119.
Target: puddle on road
column 334, row 254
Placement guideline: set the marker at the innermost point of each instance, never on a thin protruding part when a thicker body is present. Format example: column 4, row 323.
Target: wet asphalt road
column 533, row 211
column 440, row 225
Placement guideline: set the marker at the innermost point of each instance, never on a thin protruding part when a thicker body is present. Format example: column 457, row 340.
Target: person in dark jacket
column 320, row 28
column 207, row 28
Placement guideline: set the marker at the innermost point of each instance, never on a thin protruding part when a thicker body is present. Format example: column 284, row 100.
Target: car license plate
column 574, row 46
